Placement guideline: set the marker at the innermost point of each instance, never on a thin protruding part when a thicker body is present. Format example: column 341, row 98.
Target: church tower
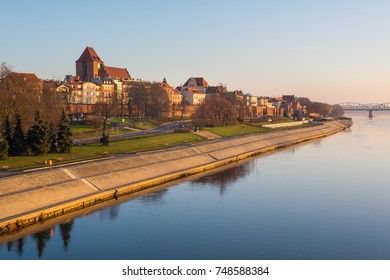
column 88, row 65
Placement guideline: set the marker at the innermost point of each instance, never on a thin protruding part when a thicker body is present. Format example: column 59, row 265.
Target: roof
column 200, row 82
column 165, row 85
column 194, row 90
column 27, row 77
column 168, row 88
column 117, row 73
column 88, row 55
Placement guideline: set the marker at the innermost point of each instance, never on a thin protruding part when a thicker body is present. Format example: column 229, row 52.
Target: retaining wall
column 36, row 197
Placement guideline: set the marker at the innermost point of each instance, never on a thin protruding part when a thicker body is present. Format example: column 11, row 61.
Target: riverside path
column 31, row 197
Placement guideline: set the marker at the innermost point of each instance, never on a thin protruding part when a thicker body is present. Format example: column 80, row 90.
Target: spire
column 165, row 80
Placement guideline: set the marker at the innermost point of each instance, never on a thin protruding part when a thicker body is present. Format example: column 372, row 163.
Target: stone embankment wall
column 35, row 197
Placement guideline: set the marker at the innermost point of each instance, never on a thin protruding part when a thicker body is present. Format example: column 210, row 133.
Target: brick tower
column 88, row 65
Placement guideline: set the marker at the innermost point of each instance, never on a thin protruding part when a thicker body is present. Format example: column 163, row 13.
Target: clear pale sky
column 327, row 50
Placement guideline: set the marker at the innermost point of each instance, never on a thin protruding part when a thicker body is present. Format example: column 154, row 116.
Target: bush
column 105, row 139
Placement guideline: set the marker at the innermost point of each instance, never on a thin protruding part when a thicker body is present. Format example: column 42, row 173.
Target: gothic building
column 89, row 66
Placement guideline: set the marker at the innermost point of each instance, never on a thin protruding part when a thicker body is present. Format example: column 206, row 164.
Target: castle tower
column 88, row 65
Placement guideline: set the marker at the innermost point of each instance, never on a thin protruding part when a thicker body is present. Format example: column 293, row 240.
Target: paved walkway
column 207, row 134
column 35, row 191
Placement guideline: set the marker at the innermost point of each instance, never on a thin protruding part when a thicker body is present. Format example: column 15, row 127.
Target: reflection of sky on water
column 327, row 199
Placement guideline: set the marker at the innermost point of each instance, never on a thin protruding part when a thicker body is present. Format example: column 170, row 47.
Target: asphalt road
column 164, row 128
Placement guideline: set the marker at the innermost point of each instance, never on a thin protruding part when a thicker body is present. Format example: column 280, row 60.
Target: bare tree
column 138, row 96
column 158, row 102
column 105, row 109
column 183, row 107
column 216, row 111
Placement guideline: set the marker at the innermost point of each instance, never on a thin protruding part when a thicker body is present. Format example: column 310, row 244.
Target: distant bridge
column 353, row 106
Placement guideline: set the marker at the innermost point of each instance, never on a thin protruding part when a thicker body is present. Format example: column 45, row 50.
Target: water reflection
column 41, row 239
column 323, row 200
column 19, row 246
column 110, row 213
column 154, row 197
column 65, row 230
column 222, row 180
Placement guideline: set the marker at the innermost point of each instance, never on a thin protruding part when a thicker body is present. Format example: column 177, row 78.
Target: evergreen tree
column 53, row 141
column 3, row 148
column 64, row 134
column 7, row 133
column 18, row 142
column 39, row 136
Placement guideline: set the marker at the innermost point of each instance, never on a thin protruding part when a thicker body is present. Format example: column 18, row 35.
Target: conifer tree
column 7, row 133
column 64, row 134
column 53, row 141
column 18, row 144
column 39, row 136
column 3, row 148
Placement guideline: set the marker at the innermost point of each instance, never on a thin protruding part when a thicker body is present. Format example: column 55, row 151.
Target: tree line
column 148, row 100
column 32, row 119
column 39, row 139
column 220, row 109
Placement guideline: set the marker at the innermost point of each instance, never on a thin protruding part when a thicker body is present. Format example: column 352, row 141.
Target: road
column 164, row 128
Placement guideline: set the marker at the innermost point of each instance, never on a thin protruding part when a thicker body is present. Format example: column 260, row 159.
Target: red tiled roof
column 165, row 85
column 27, row 77
column 194, row 90
column 115, row 72
column 200, row 82
column 89, row 54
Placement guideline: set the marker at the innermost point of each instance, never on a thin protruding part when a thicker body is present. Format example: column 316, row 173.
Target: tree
column 53, row 141
column 18, row 142
column 183, row 107
column 64, row 134
column 3, row 148
column 105, row 110
column 216, row 111
column 39, row 136
column 50, row 104
column 7, row 133
column 158, row 102
column 138, row 96
column 21, row 95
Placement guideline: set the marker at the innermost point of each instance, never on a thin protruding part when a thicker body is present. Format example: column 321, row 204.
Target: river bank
column 36, row 197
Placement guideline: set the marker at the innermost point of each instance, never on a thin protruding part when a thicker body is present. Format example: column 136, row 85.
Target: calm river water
column 328, row 199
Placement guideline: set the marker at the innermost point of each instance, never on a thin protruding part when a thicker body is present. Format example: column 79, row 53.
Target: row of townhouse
column 96, row 82
column 287, row 105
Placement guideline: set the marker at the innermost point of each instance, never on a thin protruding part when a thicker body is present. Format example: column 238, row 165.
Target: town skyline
column 328, row 52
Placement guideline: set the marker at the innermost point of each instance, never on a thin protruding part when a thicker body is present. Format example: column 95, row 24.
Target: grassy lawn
column 82, row 128
column 143, row 124
column 98, row 133
column 97, row 151
column 284, row 120
column 134, row 145
column 233, row 130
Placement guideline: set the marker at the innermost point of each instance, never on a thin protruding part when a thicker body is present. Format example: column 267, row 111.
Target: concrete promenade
column 33, row 197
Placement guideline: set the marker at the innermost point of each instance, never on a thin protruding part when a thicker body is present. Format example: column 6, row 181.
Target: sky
column 330, row 51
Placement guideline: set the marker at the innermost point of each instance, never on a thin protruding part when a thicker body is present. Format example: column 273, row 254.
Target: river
column 326, row 199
